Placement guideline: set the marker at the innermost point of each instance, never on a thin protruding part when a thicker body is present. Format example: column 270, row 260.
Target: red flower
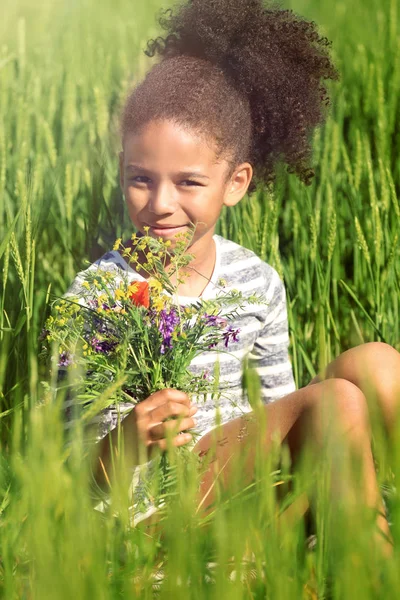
column 140, row 295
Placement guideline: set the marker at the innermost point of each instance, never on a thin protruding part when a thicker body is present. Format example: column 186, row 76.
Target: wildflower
column 230, row 335
column 103, row 346
column 141, row 296
column 120, row 294
column 117, row 244
column 158, row 303
column 155, row 285
column 86, row 285
column 64, row 360
column 214, row 320
column 168, row 322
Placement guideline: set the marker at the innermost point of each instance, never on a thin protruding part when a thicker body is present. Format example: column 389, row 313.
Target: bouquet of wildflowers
column 133, row 331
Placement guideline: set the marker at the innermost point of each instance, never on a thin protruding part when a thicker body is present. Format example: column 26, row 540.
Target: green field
column 65, row 69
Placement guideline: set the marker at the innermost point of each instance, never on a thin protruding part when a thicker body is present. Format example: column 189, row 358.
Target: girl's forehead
column 167, row 141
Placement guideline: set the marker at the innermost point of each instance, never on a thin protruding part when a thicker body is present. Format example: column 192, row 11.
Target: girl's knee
column 379, row 352
column 343, row 401
column 371, row 355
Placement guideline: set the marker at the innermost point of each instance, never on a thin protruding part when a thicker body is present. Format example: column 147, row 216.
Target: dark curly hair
column 247, row 76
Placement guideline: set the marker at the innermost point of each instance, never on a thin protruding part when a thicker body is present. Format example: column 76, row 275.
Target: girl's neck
column 199, row 271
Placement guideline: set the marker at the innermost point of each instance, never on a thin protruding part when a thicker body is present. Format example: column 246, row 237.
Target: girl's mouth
column 164, row 231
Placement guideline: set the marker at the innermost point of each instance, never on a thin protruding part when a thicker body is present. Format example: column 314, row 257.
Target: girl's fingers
column 160, row 430
column 179, row 440
column 170, row 409
column 160, row 398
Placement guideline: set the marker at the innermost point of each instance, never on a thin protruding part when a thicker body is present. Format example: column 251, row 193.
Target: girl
column 239, row 88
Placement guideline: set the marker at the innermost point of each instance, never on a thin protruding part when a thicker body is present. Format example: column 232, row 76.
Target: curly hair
column 245, row 75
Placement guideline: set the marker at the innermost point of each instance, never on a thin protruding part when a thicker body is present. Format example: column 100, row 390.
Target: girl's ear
column 121, row 170
column 238, row 184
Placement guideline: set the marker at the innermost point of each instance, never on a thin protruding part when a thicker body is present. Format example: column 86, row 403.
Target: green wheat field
column 65, row 68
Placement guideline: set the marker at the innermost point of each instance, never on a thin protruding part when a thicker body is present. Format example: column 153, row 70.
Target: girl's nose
column 162, row 201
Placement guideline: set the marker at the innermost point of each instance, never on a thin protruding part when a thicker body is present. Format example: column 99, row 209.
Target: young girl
column 239, row 88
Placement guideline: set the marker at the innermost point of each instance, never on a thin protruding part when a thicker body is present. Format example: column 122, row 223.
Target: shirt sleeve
column 270, row 353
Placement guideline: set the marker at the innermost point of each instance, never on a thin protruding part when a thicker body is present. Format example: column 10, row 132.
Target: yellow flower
column 158, row 303
column 146, row 229
column 133, row 237
column 117, row 244
column 132, row 289
column 86, row 285
column 120, row 294
column 155, row 285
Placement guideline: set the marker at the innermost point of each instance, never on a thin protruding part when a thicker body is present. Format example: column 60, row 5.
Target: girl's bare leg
column 375, row 369
column 307, row 414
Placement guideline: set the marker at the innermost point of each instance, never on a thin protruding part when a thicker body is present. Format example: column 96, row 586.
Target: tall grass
column 64, row 71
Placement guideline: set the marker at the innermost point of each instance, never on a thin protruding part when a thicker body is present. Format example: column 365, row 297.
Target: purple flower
column 64, row 360
column 214, row 320
column 168, row 322
column 230, row 335
column 103, row 346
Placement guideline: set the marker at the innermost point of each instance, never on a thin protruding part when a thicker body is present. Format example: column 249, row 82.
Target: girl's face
column 170, row 179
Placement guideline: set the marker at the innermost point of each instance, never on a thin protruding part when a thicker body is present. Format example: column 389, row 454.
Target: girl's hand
column 151, row 416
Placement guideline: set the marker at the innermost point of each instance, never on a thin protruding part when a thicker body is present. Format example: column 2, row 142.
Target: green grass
column 64, row 71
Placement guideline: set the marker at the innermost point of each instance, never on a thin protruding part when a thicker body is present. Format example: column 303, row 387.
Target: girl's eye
column 189, row 182
column 138, row 179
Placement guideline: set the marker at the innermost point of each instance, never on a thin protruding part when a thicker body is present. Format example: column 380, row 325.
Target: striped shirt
column 263, row 336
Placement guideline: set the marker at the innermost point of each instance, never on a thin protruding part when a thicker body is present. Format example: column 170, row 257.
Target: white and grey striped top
column 263, row 336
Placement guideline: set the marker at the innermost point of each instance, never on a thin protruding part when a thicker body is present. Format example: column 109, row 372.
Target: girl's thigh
column 229, row 452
